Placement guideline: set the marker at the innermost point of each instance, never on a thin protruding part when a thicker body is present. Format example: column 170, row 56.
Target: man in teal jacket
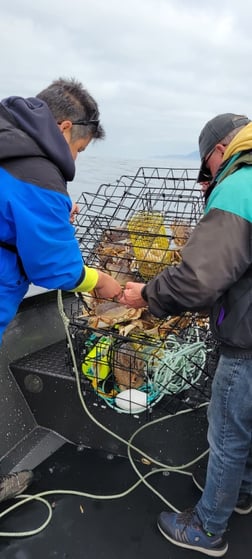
column 216, row 273
column 40, row 138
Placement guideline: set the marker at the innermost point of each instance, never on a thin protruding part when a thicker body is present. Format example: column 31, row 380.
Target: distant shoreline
column 194, row 156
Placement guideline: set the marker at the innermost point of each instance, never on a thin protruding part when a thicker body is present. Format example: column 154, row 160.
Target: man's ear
column 221, row 148
column 65, row 125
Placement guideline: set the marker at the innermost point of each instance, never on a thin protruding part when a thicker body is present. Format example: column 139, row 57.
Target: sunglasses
column 206, row 172
column 92, row 121
column 209, row 155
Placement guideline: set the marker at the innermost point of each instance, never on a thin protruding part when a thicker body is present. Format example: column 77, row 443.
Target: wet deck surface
column 122, row 528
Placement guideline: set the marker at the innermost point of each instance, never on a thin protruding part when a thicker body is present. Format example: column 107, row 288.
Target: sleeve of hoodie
column 215, row 257
column 45, row 239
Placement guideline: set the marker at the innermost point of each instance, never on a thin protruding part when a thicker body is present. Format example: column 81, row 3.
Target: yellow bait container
column 150, row 243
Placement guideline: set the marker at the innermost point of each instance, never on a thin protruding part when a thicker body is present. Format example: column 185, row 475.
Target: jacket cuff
column 89, row 282
column 144, row 294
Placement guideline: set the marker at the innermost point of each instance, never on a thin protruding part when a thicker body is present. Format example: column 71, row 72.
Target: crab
column 116, row 256
column 128, row 367
column 181, row 233
column 109, row 313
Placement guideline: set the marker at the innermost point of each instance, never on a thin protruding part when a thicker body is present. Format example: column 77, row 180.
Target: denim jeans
column 229, row 469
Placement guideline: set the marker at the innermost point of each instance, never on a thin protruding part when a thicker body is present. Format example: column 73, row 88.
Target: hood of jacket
column 28, row 129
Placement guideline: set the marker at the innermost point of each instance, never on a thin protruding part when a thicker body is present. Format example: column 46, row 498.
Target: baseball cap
column 213, row 132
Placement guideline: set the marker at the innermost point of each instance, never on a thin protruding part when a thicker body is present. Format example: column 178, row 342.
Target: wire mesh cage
column 132, row 362
column 137, row 226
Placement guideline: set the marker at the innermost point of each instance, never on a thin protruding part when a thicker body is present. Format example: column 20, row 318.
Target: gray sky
column 159, row 69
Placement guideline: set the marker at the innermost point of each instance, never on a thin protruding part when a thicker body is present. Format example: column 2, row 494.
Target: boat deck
column 104, row 528
column 90, row 527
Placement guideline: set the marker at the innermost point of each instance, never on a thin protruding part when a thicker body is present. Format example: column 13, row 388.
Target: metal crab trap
column 132, row 363
column 135, row 227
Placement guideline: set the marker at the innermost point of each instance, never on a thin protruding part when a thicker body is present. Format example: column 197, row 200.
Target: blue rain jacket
column 35, row 165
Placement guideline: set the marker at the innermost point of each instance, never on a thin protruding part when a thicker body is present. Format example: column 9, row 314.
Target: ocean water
column 92, row 171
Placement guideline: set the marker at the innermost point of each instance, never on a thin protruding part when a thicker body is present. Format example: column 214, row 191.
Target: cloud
column 158, row 68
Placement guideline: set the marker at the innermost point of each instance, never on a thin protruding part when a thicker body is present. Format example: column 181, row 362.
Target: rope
column 178, row 366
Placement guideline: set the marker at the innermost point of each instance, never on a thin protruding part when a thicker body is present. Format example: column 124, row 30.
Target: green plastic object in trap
column 96, row 364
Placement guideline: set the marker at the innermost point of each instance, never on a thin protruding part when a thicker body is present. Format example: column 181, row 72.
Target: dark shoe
column 13, row 484
column 244, row 503
column 185, row 530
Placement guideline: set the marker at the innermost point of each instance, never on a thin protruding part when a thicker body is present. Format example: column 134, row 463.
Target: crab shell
column 128, row 367
column 110, row 313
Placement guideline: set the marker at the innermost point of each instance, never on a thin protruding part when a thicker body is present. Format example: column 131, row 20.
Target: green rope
column 177, row 365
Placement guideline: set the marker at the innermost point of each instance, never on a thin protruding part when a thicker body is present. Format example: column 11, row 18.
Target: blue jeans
column 229, row 469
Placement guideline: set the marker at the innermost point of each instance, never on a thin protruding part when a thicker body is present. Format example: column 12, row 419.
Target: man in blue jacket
column 216, row 273
column 40, row 139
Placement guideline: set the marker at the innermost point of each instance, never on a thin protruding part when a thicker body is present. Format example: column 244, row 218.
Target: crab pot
column 134, row 368
column 134, row 228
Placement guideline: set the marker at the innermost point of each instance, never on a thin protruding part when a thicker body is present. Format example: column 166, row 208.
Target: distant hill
column 193, row 155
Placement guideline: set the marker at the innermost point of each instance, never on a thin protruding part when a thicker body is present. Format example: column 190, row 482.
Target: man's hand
column 131, row 296
column 107, row 287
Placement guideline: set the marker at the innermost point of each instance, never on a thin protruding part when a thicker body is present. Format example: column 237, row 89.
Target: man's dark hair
column 69, row 100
